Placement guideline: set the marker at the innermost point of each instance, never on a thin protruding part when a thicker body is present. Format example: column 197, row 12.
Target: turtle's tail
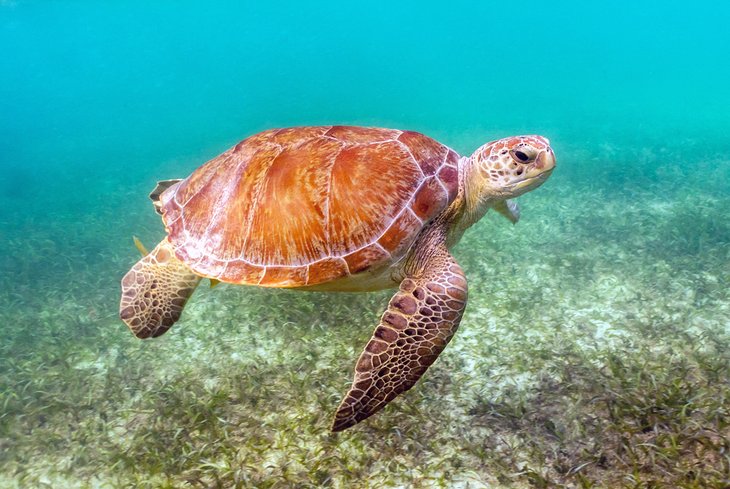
column 154, row 292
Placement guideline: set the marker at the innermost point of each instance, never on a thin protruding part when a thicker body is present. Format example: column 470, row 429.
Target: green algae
column 594, row 353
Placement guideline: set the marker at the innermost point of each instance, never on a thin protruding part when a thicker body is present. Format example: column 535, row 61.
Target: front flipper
column 420, row 320
column 509, row 209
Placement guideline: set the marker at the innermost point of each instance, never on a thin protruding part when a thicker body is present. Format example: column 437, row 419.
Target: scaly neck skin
column 472, row 203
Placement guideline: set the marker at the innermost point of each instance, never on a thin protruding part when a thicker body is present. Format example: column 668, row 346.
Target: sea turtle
column 336, row 208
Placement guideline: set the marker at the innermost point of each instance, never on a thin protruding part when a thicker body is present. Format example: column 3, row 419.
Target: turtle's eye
column 522, row 155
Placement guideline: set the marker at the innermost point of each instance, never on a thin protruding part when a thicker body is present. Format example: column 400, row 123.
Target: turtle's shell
column 307, row 205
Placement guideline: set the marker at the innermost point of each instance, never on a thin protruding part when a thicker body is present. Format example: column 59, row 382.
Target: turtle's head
column 498, row 171
column 509, row 167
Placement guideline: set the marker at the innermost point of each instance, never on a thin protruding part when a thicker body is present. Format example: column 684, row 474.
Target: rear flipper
column 158, row 191
column 154, row 292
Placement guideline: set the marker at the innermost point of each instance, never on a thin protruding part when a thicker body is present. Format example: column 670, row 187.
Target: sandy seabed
column 594, row 353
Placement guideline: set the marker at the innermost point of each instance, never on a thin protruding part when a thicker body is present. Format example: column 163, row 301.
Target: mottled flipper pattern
column 154, row 292
column 420, row 320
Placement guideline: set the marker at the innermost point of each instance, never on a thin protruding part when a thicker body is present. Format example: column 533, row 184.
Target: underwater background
column 594, row 351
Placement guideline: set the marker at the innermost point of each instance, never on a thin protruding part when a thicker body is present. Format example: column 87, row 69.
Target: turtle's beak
column 545, row 160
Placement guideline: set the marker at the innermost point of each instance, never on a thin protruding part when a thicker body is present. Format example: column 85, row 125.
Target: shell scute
column 428, row 153
column 360, row 260
column 432, row 195
column 362, row 135
column 326, row 270
column 241, row 272
column 401, row 234
column 288, row 224
column 276, row 276
column 295, row 136
column 368, row 188
column 449, row 177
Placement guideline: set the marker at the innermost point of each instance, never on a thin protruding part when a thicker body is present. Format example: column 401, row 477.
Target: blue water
column 112, row 95
column 98, row 100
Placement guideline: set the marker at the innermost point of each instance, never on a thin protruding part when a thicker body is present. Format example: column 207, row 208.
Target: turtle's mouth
column 533, row 181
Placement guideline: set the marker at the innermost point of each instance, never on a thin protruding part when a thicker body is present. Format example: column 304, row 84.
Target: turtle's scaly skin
column 421, row 319
column 155, row 291
column 304, row 206
column 337, row 208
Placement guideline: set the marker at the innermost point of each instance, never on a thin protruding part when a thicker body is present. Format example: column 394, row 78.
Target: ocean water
column 594, row 349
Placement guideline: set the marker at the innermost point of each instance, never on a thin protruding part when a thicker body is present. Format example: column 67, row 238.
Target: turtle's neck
column 472, row 202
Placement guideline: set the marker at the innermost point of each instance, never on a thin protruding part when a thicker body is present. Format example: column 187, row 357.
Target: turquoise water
column 623, row 253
